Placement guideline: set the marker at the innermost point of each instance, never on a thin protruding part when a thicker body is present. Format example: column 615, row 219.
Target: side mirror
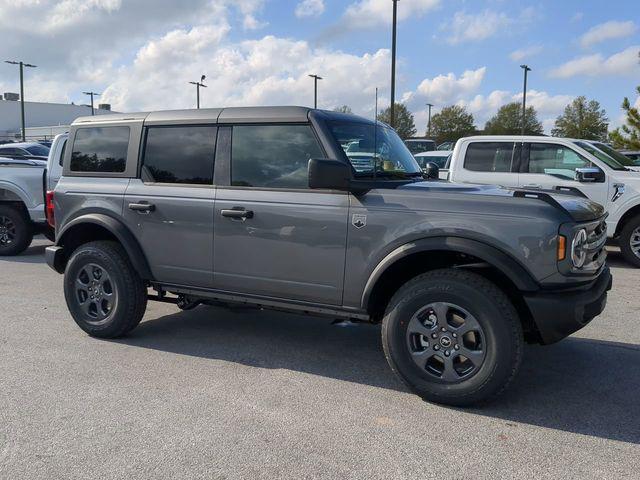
column 328, row 174
column 432, row 171
column 589, row 175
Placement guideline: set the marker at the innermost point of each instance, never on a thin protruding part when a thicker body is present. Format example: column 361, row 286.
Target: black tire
column 16, row 231
column 104, row 293
column 629, row 234
column 496, row 346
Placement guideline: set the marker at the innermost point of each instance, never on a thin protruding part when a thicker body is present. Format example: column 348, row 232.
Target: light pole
column 22, row 65
column 430, row 105
column 91, row 94
column 315, row 89
column 392, row 112
column 524, row 96
column 198, row 85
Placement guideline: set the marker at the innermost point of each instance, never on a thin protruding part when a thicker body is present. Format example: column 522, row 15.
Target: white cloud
column 547, row 106
column 607, row 31
column 596, row 65
column 447, row 89
column 310, row 8
column 370, row 13
column 522, row 53
column 244, row 73
column 466, row 27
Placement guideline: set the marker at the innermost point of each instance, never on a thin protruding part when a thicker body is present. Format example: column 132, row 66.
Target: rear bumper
column 54, row 257
column 560, row 313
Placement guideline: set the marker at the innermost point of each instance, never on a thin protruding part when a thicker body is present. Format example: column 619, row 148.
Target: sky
column 141, row 54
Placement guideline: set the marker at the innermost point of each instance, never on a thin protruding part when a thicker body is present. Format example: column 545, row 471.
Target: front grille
column 596, row 240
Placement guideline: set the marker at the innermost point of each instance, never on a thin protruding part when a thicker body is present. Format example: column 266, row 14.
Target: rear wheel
column 630, row 241
column 104, row 293
column 453, row 337
column 16, row 231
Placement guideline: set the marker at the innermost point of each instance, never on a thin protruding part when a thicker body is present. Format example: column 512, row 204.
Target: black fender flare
column 118, row 230
column 510, row 267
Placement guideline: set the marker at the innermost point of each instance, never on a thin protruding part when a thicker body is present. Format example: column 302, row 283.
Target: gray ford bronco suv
column 322, row 213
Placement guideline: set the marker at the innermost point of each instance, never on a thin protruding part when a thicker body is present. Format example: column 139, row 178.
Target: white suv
column 551, row 163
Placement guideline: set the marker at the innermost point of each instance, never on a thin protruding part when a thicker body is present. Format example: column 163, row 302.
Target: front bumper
column 560, row 313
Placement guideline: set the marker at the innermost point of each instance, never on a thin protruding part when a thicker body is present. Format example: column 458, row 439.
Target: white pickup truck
column 562, row 164
column 23, row 187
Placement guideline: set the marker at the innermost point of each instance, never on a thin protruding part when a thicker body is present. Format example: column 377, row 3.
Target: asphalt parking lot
column 221, row 394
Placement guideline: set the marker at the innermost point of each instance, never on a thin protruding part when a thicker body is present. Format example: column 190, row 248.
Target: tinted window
column 38, row 150
column 64, row 147
column 272, row 156
column 10, row 151
column 489, row 157
column 439, row 160
column 100, row 149
column 555, row 160
column 180, row 154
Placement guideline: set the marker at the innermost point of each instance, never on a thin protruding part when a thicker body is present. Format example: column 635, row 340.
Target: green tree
column 405, row 124
column 628, row 136
column 582, row 119
column 508, row 121
column 343, row 109
column 451, row 124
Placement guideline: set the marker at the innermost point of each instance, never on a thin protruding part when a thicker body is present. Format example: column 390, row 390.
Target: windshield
column 420, row 146
column 38, row 150
column 603, row 157
column 375, row 151
column 617, row 156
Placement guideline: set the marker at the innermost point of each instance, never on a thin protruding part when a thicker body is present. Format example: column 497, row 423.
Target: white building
column 39, row 114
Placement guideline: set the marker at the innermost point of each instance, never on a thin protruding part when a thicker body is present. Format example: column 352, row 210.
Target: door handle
column 533, row 185
column 142, row 207
column 237, row 213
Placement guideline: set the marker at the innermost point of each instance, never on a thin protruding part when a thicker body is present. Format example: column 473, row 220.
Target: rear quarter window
column 100, row 150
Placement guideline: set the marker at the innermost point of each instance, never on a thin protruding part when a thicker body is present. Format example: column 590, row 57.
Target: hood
column 580, row 209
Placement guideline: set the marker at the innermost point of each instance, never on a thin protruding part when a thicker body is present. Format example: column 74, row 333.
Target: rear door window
column 272, row 156
column 100, row 149
column 490, row 157
column 180, row 154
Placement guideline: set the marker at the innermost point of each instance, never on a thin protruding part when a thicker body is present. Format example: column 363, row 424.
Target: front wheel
column 630, row 241
column 104, row 293
column 453, row 337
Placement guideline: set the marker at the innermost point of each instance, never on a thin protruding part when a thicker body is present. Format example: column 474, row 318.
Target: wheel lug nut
column 443, row 329
column 454, row 335
column 457, row 347
column 447, row 353
column 434, row 335
column 436, row 347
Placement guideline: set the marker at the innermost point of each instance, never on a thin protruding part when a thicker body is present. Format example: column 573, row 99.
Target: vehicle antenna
column 375, row 140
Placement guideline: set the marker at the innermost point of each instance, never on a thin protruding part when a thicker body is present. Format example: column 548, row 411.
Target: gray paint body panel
column 177, row 237
column 293, row 247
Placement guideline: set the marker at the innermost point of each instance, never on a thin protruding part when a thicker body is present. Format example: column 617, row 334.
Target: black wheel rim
column 634, row 242
column 95, row 293
column 7, row 231
column 446, row 342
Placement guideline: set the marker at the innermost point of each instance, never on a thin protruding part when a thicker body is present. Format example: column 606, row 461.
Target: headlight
column 578, row 252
